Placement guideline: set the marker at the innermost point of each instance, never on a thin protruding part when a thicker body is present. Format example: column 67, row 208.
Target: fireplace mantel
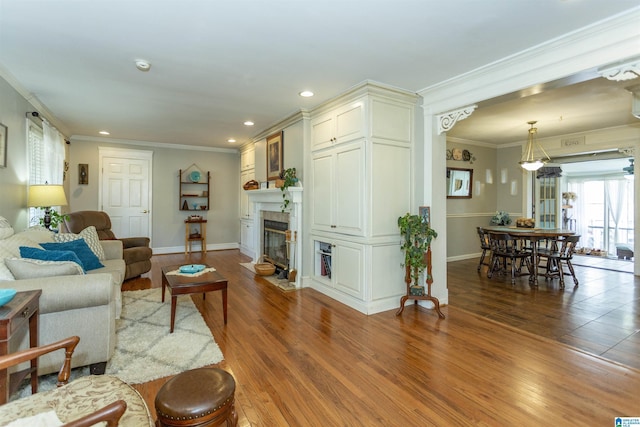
column 274, row 195
column 271, row 200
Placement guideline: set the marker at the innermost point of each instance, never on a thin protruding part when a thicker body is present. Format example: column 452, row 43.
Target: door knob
column 145, row 211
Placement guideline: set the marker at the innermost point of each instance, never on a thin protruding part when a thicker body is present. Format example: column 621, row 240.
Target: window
column 604, row 211
column 46, row 159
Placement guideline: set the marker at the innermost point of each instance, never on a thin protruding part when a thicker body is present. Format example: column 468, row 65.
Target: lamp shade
column 46, row 196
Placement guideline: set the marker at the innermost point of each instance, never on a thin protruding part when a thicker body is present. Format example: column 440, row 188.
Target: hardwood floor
column 601, row 316
column 302, row 359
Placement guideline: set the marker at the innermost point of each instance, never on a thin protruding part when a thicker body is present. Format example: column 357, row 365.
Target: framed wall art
column 83, row 174
column 3, row 146
column 425, row 213
column 459, row 183
column 274, row 155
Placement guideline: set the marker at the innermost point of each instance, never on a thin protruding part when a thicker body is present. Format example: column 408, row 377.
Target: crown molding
column 79, row 138
column 610, row 41
column 33, row 100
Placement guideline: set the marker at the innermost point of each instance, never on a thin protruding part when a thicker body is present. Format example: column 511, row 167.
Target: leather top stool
column 200, row 397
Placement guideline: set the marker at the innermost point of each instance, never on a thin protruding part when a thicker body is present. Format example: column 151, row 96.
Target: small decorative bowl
column 264, row 269
column 192, row 268
column 194, row 176
column 6, row 295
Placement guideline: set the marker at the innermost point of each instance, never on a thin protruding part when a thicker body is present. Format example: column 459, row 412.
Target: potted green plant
column 501, row 218
column 289, row 179
column 56, row 219
column 417, row 236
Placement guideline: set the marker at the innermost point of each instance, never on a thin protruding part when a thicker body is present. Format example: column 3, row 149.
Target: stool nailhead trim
column 191, row 417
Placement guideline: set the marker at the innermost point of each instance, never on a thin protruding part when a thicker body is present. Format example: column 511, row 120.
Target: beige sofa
column 85, row 305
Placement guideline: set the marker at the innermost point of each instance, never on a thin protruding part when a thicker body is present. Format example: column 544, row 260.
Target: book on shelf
column 326, row 266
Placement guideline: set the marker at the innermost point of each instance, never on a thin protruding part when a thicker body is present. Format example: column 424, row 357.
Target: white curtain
column 52, row 169
column 578, row 212
column 614, row 192
column 46, row 159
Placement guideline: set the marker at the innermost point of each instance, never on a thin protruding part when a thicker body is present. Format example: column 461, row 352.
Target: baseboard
column 210, row 247
column 463, row 257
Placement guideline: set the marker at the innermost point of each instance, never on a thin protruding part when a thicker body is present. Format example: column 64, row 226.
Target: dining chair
column 507, row 250
column 82, row 402
column 561, row 252
column 483, row 235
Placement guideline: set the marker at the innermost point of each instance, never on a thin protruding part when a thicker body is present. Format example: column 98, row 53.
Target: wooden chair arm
column 69, row 344
column 110, row 413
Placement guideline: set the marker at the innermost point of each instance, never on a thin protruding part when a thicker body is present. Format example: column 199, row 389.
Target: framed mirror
column 459, row 182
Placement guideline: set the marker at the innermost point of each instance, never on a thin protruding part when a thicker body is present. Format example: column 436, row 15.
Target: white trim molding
column 627, row 71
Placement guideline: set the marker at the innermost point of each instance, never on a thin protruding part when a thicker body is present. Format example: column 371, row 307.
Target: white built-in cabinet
column 339, row 265
column 339, row 188
column 248, row 158
column 247, row 173
column 360, row 183
column 246, row 210
column 343, row 124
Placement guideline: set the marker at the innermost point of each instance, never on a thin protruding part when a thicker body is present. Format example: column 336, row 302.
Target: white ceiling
column 593, row 104
column 218, row 63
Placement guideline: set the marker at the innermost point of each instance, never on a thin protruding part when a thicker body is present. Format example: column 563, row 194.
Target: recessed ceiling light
column 142, row 65
column 231, row 140
column 249, row 123
column 104, row 132
column 306, row 93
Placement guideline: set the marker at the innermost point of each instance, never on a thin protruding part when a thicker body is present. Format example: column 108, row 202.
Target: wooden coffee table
column 180, row 284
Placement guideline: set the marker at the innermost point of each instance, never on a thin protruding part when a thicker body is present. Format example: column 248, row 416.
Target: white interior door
column 125, row 190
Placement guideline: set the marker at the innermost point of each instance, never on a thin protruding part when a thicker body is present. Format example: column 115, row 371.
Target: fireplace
column 274, row 243
column 271, row 244
column 275, row 236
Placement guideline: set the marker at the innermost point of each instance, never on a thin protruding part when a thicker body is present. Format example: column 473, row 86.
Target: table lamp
column 44, row 196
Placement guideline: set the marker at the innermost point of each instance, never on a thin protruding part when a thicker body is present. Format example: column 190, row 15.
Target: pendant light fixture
column 529, row 161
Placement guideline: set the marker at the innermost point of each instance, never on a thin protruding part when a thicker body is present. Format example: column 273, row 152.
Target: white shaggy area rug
column 145, row 350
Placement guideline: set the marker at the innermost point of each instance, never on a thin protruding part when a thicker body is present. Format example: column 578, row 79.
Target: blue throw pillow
column 89, row 260
column 41, row 254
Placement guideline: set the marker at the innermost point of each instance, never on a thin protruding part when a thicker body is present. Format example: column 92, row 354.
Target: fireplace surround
column 266, row 206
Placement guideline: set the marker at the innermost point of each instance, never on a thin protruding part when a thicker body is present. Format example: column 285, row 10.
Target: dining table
column 534, row 235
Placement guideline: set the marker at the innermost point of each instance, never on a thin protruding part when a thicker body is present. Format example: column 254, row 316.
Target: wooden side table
column 199, row 235
column 20, row 312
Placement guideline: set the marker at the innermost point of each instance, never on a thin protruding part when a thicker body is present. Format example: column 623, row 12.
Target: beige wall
column 495, row 171
column 13, row 178
column 223, row 228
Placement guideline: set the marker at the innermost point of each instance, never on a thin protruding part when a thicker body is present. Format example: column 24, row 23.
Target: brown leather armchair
column 136, row 251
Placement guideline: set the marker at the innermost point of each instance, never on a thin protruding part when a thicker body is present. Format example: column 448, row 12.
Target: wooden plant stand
column 428, row 296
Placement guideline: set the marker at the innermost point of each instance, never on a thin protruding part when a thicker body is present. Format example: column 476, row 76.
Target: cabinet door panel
column 247, row 241
column 322, row 192
column 391, row 121
column 347, row 268
column 246, row 207
column 349, row 190
column 350, row 122
column 322, row 132
column 390, row 199
column 248, row 159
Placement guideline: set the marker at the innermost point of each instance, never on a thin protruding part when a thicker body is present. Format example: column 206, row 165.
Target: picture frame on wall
column 275, row 155
column 83, row 174
column 459, row 183
column 425, row 213
column 3, row 146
